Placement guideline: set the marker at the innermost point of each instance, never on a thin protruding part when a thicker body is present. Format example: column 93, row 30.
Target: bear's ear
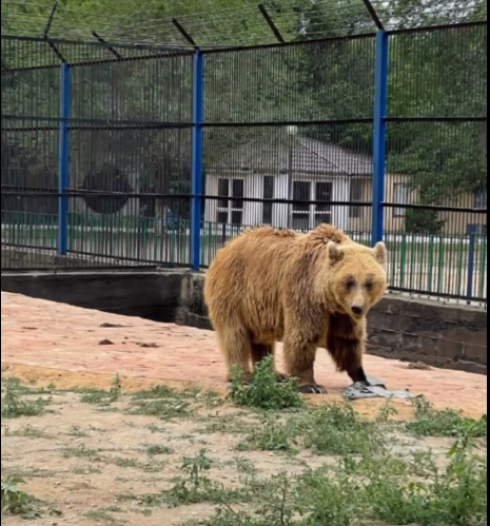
column 335, row 254
column 381, row 253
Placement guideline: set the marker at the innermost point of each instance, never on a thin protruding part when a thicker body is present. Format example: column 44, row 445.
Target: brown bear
column 306, row 290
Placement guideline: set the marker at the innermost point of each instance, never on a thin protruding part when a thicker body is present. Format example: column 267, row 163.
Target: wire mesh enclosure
column 124, row 155
column 96, row 154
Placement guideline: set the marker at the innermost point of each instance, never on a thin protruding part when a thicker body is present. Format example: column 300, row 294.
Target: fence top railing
column 250, row 24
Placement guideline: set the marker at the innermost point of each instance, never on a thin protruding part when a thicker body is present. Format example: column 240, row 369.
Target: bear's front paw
column 313, row 389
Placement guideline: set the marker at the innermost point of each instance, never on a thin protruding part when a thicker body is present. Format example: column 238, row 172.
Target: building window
column 230, row 210
column 323, row 211
column 301, row 211
column 402, row 192
column 481, row 200
column 306, row 216
column 223, row 191
column 356, row 195
column 267, row 215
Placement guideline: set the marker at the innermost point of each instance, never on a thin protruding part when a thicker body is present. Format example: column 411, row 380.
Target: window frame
column 233, row 207
column 401, row 213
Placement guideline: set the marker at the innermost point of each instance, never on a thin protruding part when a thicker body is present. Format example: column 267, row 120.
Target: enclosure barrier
column 123, row 156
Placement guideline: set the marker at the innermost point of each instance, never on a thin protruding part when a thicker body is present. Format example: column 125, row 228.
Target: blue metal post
column 64, row 158
column 471, row 265
column 197, row 161
column 380, row 135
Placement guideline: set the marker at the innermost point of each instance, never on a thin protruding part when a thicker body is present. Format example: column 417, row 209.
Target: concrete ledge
column 452, row 337
column 446, row 336
column 151, row 295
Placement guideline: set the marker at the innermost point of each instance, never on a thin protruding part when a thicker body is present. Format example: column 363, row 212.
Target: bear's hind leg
column 263, row 350
column 236, row 347
column 300, row 361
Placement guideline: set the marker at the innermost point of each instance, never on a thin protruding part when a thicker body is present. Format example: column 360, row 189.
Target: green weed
column 449, row 423
column 154, row 451
column 14, row 501
column 14, row 406
column 265, row 392
column 102, row 397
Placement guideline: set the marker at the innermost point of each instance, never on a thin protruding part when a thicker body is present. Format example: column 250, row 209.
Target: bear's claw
column 313, row 389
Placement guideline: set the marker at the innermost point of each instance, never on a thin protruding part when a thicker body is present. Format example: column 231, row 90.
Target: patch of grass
column 273, row 435
column 161, row 402
column 81, row 452
column 456, row 496
column 265, row 392
column 244, row 465
column 330, row 430
column 102, row 397
column 231, row 424
column 448, row 423
column 154, row 451
column 167, row 409
column 15, row 384
column 28, row 432
column 157, row 392
column 339, row 430
column 86, row 471
column 387, row 493
column 207, row 399
column 15, row 406
column 77, row 432
column 196, row 488
column 104, row 515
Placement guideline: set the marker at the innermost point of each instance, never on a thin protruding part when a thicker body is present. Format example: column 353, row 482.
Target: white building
column 288, row 168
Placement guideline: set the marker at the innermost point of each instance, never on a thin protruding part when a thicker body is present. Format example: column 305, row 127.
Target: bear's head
column 357, row 277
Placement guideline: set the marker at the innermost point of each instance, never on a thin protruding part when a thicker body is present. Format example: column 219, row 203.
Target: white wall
column 341, row 192
column 254, row 187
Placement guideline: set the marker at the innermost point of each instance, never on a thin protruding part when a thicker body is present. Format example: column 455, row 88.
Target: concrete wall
column 452, row 337
column 150, row 295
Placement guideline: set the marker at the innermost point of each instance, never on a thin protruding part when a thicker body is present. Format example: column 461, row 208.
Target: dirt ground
column 94, row 460
column 92, row 463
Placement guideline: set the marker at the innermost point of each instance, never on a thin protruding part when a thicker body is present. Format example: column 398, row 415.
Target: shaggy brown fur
column 306, row 290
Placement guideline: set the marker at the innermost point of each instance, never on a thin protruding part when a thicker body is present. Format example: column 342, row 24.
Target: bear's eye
column 370, row 284
column 350, row 282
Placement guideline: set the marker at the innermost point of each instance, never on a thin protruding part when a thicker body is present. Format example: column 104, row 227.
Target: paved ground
column 64, row 344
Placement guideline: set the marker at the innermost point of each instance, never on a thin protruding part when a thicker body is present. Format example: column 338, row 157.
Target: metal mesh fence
column 288, row 138
column 436, row 167
column 96, row 155
column 161, row 156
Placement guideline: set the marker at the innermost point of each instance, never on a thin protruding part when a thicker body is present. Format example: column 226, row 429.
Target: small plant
column 265, row 392
column 196, row 466
column 196, row 488
column 101, row 397
column 115, row 393
column 14, row 501
column 449, row 423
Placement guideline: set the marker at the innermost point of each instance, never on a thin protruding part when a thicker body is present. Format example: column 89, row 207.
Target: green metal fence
column 433, row 265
